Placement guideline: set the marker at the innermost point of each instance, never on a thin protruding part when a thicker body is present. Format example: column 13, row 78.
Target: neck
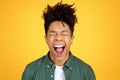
column 59, row 62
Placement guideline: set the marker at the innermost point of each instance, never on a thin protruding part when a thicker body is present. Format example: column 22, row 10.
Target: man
column 59, row 63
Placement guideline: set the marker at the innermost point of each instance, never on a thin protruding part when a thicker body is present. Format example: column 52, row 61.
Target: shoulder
column 83, row 66
column 80, row 62
column 35, row 64
column 32, row 68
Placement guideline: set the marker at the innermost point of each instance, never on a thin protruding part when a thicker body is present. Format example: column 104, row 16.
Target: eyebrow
column 52, row 31
column 63, row 31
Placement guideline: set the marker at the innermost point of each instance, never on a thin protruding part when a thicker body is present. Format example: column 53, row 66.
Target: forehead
column 58, row 26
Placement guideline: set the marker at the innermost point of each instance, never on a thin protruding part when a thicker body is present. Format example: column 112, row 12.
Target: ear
column 45, row 38
column 72, row 37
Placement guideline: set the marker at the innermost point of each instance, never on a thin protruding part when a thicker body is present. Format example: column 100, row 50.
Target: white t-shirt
column 59, row 73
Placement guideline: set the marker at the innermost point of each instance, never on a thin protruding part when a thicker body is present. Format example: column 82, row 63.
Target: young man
column 59, row 63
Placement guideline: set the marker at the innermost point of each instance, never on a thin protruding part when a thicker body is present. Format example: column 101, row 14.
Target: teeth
column 59, row 46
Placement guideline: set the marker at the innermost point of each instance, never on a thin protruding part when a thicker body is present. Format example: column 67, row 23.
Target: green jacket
column 43, row 69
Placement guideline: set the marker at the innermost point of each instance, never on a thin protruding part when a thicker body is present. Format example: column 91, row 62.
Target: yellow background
column 97, row 36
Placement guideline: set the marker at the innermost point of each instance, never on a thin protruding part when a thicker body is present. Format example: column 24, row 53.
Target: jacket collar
column 68, row 63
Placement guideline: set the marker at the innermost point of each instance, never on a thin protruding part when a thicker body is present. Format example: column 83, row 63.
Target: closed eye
column 51, row 33
column 65, row 33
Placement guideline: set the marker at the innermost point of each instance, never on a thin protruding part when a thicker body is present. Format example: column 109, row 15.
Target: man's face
column 59, row 39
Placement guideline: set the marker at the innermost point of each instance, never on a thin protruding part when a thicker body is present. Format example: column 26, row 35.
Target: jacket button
column 51, row 76
column 48, row 66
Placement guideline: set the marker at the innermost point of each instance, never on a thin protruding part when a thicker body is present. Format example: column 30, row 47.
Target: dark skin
column 59, row 36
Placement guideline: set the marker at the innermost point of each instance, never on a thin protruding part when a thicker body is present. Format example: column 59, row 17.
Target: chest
column 49, row 74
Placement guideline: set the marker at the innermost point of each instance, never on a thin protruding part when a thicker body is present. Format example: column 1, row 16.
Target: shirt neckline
column 67, row 64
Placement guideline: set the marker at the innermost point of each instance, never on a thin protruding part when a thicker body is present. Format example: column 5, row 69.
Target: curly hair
column 60, row 12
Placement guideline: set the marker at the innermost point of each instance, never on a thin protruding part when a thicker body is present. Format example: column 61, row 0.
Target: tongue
column 59, row 50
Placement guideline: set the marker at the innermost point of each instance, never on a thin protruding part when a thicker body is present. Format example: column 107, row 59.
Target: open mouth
column 59, row 48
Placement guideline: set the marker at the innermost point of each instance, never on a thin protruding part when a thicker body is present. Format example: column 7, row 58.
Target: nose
column 58, row 37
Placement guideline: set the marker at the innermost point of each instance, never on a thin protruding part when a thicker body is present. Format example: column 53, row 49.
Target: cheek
column 49, row 41
column 68, row 41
